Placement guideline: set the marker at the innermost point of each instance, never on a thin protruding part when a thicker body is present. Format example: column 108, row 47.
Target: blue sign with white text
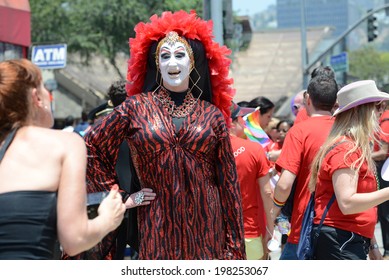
column 339, row 62
column 49, row 56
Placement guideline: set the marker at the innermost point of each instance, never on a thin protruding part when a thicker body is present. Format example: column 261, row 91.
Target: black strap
column 324, row 214
column 7, row 142
column 315, row 237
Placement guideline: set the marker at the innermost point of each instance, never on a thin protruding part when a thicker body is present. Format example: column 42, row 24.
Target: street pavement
column 378, row 235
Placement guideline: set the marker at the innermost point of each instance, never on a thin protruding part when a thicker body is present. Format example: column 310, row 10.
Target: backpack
column 308, row 236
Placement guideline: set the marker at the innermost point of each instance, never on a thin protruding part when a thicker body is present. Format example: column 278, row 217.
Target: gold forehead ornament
column 171, row 38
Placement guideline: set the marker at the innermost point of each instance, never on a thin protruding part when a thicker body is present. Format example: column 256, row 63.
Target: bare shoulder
column 57, row 140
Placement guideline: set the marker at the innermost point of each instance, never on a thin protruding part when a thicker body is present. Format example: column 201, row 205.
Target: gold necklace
column 175, row 111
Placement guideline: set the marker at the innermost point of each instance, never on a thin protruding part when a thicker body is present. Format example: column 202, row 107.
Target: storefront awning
column 15, row 22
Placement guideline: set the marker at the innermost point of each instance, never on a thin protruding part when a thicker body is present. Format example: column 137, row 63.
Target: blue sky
column 250, row 7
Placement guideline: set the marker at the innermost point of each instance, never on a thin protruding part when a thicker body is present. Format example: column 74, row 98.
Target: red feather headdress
column 192, row 27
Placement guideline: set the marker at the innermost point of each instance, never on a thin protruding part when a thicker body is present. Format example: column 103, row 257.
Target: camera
column 93, row 203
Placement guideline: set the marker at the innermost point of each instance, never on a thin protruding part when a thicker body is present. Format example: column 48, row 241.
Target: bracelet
column 373, row 246
column 278, row 203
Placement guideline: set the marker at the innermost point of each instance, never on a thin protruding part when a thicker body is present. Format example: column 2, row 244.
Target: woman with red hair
column 42, row 175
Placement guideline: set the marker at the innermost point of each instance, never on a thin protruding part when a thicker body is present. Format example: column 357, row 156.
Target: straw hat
column 358, row 93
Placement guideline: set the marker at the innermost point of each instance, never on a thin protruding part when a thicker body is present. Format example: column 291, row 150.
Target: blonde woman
column 344, row 167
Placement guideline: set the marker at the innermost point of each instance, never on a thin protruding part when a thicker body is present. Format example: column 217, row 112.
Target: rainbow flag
column 253, row 129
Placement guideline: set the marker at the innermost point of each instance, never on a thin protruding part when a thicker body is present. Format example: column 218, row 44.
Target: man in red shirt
column 298, row 107
column 301, row 145
column 253, row 175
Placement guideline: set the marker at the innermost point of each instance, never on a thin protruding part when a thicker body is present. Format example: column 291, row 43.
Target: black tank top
column 28, row 221
column 28, row 225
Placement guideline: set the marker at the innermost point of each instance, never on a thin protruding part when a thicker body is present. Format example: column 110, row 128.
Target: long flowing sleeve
column 103, row 142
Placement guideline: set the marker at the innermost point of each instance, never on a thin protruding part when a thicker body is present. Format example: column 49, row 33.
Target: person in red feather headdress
column 175, row 121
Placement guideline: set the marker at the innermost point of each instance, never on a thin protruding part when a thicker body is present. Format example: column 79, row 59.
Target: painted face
column 174, row 64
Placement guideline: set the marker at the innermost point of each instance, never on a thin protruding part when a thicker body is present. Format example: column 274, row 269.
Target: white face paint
column 174, row 64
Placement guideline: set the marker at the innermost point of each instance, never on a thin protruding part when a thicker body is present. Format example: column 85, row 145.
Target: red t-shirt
column 251, row 164
column 302, row 142
column 361, row 223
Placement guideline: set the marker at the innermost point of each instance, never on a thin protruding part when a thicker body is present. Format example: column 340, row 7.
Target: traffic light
column 372, row 28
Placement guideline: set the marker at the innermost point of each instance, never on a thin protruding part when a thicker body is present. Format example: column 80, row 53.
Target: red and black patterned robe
column 197, row 213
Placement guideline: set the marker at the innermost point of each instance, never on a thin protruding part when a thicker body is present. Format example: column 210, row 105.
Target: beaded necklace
column 175, row 111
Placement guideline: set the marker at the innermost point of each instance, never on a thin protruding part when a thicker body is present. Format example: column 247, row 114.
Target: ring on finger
column 139, row 197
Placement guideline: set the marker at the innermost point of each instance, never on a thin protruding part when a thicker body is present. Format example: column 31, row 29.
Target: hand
column 266, row 238
column 375, row 254
column 274, row 155
column 112, row 208
column 148, row 196
column 272, row 172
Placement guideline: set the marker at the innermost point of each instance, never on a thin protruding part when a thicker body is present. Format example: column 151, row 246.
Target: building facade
column 15, row 30
column 338, row 14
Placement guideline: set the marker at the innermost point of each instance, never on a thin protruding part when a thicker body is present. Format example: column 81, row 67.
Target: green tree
column 368, row 63
column 100, row 27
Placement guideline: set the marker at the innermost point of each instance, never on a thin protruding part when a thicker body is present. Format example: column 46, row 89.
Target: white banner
column 129, row 269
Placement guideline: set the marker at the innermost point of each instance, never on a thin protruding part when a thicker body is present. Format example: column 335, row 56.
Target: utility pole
column 228, row 22
column 206, row 9
column 387, row 9
column 220, row 12
column 214, row 10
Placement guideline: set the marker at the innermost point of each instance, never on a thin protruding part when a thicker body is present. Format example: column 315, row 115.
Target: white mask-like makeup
column 174, row 64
